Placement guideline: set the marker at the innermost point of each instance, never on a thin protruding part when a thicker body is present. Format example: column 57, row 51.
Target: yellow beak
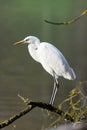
column 19, row 42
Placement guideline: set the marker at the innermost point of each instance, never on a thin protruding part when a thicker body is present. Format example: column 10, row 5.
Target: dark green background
column 19, row 74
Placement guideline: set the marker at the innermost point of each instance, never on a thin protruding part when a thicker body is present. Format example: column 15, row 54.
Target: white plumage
column 51, row 59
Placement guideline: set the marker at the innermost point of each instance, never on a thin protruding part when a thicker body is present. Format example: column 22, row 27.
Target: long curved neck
column 33, row 48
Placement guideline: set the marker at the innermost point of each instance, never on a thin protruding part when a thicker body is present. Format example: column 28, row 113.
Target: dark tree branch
column 15, row 117
column 32, row 105
column 52, row 109
column 71, row 21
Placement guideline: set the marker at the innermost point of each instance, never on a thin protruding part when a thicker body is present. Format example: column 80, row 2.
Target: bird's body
column 51, row 59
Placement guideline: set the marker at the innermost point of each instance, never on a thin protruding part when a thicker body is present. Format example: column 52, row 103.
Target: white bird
column 51, row 59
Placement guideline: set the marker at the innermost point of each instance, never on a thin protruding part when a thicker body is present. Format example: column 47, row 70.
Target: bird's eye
column 36, row 48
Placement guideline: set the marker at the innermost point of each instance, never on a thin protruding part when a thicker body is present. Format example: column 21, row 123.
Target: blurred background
column 19, row 73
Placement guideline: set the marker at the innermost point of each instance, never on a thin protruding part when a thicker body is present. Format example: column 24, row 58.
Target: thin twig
column 71, row 21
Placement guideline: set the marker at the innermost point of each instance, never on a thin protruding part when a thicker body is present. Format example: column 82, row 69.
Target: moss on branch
column 75, row 111
column 32, row 105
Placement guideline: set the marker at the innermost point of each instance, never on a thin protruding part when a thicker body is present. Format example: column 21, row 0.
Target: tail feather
column 70, row 74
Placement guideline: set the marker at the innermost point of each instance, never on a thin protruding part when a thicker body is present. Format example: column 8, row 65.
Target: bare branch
column 71, row 21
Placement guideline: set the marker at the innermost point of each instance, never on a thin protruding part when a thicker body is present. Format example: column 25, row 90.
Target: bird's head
column 28, row 39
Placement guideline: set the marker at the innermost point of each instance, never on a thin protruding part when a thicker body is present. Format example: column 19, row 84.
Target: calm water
column 19, row 74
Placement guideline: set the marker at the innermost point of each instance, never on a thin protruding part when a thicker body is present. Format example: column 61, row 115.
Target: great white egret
column 51, row 59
